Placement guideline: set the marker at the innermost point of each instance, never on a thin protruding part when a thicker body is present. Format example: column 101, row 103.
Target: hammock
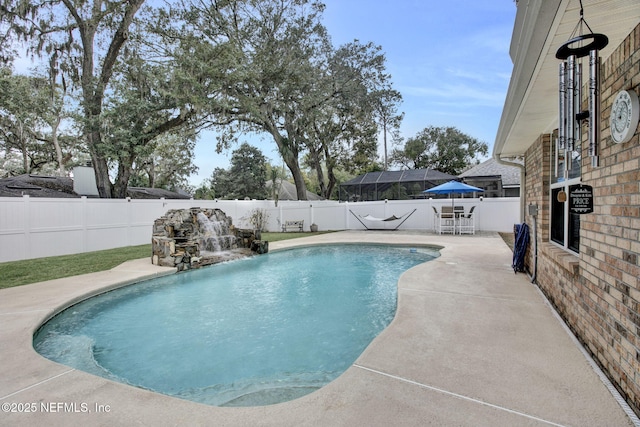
column 376, row 219
column 373, row 218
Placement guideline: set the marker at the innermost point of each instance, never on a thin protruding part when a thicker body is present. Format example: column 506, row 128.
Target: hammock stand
column 389, row 219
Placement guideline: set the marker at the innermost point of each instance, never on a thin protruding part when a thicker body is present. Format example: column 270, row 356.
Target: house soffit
column 531, row 105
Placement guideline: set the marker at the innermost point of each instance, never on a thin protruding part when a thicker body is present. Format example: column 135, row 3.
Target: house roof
column 510, row 174
column 541, row 27
column 37, row 186
column 62, row 187
column 154, row 193
column 390, row 177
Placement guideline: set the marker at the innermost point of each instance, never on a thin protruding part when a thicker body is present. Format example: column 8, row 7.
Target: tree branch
column 119, row 38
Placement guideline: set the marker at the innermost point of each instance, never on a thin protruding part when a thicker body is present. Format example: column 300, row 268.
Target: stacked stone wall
column 176, row 240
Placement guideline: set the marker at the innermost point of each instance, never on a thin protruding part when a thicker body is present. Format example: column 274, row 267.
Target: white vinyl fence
column 40, row 227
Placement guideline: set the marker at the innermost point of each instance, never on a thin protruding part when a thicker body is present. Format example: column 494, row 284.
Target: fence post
column 430, row 214
column 477, row 220
column 27, row 226
column 83, row 215
column 129, row 216
column 311, row 215
column 346, row 215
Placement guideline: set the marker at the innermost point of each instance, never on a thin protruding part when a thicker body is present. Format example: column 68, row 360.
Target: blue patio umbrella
column 453, row 187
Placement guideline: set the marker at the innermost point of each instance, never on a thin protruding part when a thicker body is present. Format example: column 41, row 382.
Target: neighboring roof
column 411, row 175
column 541, row 27
column 37, row 186
column 154, row 193
column 62, row 187
column 510, row 174
column 288, row 191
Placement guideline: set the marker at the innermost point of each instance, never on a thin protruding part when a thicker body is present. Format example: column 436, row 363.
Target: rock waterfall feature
column 192, row 238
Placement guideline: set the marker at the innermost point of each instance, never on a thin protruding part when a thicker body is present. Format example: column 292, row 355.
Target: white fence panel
column 362, row 209
column 107, row 224
column 13, row 217
column 53, row 224
column 328, row 215
column 38, row 227
column 295, row 211
column 498, row 214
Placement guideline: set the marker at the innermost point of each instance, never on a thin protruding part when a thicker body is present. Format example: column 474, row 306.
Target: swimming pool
column 252, row 332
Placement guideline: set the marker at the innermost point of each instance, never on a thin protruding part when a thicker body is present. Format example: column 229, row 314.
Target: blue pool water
column 251, row 332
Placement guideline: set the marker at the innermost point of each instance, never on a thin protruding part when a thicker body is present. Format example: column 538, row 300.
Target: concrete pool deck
column 472, row 344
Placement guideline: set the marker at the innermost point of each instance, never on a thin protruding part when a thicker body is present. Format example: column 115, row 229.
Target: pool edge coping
column 177, row 402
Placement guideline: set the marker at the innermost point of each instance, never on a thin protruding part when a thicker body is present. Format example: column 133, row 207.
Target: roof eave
column 534, row 20
column 541, row 26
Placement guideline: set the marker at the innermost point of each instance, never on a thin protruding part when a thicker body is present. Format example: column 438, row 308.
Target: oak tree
column 445, row 149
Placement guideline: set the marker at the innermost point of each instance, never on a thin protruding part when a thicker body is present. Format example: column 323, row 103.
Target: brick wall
column 598, row 292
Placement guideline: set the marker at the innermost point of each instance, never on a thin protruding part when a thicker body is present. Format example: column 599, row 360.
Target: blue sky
column 449, row 60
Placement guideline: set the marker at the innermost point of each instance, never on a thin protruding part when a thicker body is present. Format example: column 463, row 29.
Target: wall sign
column 581, row 199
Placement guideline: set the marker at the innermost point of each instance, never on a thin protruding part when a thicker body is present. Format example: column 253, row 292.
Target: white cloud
column 458, row 95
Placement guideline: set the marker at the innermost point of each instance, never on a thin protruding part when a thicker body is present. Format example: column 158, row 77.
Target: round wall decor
column 625, row 113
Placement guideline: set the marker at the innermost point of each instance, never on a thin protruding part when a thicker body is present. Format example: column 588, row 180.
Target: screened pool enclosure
column 392, row 185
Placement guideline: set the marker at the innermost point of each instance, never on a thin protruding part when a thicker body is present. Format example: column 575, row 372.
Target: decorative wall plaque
column 581, row 199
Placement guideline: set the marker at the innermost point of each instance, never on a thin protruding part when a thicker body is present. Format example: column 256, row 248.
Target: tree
column 68, row 34
column 169, row 165
column 205, row 191
column 158, row 91
column 127, row 96
column 342, row 132
column 18, row 116
column 386, row 110
column 290, row 83
column 31, row 113
column 221, row 187
column 246, row 177
column 442, row 148
column 248, row 173
column 263, row 66
column 282, row 51
column 276, row 175
column 280, row 48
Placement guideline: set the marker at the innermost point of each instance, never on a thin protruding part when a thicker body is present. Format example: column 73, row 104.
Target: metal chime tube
column 571, row 111
column 594, row 106
column 577, row 133
column 562, row 106
column 577, row 108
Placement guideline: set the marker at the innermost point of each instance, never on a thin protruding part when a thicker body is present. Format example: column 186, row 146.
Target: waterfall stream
column 215, row 236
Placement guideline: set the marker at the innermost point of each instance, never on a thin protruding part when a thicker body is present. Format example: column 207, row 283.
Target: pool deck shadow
column 472, row 344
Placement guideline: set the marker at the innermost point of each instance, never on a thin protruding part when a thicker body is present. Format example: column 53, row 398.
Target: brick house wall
column 598, row 291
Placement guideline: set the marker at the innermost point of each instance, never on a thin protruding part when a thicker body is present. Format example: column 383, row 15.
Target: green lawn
column 18, row 273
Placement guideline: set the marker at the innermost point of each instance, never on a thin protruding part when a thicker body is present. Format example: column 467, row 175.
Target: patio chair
column 467, row 222
column 436, row 218
column 446, row 220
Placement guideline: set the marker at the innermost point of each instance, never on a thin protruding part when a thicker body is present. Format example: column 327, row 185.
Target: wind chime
column 570, row 91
